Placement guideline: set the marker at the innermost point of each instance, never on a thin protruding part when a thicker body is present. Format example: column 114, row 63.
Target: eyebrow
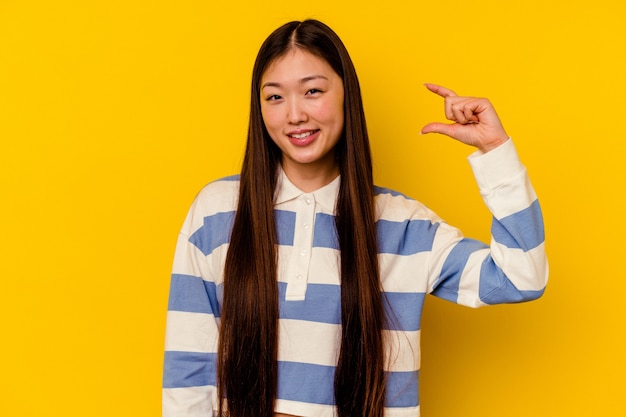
column 302, row 81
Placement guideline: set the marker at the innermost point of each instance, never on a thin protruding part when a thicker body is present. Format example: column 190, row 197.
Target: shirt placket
column 302, row 248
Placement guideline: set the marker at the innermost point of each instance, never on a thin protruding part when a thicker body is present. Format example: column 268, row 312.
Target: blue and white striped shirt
column 418, row 254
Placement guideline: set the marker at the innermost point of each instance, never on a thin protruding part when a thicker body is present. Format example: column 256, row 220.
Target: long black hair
column 248, row 345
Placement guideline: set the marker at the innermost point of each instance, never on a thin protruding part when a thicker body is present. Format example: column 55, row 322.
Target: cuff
column 496, row 167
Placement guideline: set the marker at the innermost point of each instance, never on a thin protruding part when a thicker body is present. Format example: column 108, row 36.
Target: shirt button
column 308, row 201
column 299, row 277
column 302, row 252
column 306, row 226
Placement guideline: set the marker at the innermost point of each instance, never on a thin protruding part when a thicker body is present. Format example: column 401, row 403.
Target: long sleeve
column 191, row 340
column 191, row 343
column 514, row 267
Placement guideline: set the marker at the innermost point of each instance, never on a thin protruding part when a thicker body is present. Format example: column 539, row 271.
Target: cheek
column 270, row 119
column 336, row 118
column 337, row 110
column 331, row 113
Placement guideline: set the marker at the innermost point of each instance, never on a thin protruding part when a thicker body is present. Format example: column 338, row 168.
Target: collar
column 325, row 196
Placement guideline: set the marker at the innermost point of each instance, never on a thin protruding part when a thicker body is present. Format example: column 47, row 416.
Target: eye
column 313, row 91
column 273, row 97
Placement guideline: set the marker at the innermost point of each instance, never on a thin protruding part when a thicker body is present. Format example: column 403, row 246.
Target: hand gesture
column 476, row 122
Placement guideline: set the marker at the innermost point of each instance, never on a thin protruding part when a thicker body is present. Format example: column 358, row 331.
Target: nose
column 296, row 113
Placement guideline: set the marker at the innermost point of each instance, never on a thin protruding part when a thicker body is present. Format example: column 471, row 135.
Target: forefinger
column 439, row 90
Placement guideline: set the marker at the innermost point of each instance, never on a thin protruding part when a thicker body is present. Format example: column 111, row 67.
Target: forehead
column 297, row 64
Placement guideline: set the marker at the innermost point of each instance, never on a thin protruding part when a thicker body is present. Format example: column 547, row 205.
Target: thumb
column 442, row 128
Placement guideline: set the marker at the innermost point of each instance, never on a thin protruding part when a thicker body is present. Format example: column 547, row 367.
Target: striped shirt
column 418, row 253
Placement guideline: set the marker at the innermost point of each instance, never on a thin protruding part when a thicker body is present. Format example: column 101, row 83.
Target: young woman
column 298, row 286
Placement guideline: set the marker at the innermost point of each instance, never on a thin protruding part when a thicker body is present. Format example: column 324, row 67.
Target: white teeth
column 302, row 135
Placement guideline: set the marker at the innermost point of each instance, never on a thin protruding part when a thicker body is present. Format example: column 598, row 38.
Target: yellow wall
column 114, row 113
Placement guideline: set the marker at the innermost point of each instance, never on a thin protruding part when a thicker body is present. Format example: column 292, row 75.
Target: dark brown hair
column 248, row 346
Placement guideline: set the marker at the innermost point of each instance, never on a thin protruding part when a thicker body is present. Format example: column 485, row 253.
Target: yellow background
column 114, row 113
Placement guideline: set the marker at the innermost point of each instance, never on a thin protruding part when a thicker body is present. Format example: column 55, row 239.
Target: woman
column 275, row 304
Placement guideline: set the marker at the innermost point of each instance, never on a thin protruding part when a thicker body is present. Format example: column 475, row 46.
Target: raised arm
column 513, row 268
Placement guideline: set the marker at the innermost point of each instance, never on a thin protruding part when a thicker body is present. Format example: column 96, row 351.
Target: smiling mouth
column 303, row 135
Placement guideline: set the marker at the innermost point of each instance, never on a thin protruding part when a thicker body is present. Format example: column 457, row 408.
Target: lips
column 303, row 137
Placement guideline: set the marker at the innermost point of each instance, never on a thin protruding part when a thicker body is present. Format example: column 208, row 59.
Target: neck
column 310, row 177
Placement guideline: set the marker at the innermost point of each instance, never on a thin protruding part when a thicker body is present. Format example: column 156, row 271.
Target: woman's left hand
column 476, row 122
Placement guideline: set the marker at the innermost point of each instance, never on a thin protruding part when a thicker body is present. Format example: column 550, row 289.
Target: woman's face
column 302, row 108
